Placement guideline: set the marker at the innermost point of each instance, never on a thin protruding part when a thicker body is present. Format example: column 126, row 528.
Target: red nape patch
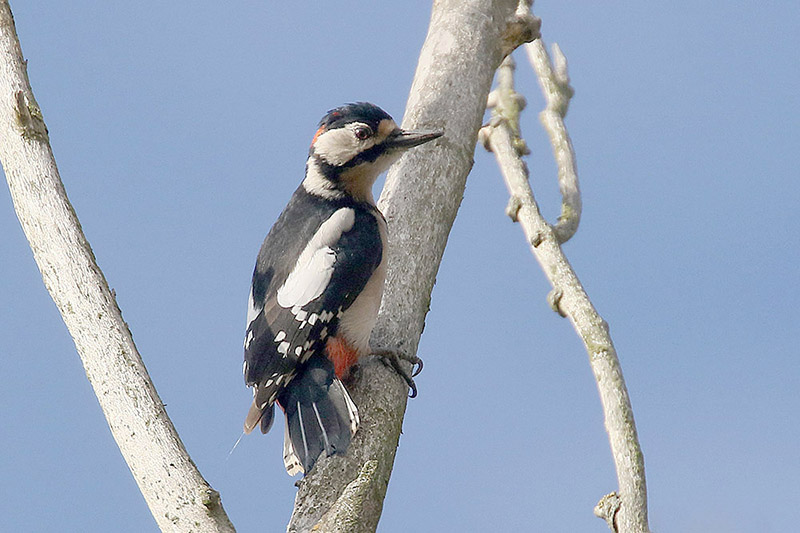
column 342, row 354
column 319, row 132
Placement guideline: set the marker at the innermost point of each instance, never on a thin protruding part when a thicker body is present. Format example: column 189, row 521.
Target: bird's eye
column 362, row 132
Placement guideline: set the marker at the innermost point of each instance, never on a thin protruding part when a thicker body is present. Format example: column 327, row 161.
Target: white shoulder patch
column 313, row 270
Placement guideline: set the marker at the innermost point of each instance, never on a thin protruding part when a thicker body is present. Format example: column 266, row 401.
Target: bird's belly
column 356, row 323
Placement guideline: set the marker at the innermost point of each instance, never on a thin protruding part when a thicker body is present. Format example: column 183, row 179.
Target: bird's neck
column 332, row 183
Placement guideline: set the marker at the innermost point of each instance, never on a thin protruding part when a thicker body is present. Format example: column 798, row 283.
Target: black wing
column 281, row 336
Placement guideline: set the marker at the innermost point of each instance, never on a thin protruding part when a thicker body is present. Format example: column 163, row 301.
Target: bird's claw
column 394, row 358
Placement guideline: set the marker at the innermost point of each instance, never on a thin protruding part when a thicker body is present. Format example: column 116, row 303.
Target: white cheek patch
column 313, row 270
column 337, row 147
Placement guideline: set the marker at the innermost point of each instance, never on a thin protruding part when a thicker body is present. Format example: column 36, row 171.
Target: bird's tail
column 320, row 416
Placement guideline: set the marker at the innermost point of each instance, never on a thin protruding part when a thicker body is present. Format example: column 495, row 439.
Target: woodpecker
column 318, row 283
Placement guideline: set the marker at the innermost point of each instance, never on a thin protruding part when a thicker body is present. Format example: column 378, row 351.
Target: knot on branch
column 512, row 209
column 483, row 136
column 211, row 501
column 29, row 118
column 554, row 300
column 607, row 509
column 523, row 27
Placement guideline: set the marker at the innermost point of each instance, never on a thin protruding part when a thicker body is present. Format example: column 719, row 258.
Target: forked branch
column 568, row 298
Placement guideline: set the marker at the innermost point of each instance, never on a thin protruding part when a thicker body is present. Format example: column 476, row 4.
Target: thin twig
column 570, row 299
column 554, row 81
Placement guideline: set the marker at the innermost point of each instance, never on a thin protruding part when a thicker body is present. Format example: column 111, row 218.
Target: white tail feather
column 290, row 459
column 322, row 428
column 352, row 410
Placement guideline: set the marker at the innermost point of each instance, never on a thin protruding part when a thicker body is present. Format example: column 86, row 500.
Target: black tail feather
column 320, row 416
column 267, row 417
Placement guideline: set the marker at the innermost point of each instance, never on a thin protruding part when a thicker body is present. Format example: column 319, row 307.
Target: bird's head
column 352, row 146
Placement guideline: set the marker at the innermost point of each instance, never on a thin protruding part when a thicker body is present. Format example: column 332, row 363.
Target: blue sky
column 181, row 129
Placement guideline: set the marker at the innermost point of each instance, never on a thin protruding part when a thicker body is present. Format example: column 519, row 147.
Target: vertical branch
column 178, row 496
column 627, row 512
column 466, row 41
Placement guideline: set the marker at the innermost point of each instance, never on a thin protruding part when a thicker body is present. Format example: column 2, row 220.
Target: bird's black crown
column 358, row 112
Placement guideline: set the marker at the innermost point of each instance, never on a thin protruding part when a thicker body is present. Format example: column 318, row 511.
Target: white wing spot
column 298, row 351
column 312, row 319
column 283, row 347
column 301, row 315
column 280, row 336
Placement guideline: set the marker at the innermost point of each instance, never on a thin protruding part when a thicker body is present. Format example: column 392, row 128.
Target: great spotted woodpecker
column 318, row 283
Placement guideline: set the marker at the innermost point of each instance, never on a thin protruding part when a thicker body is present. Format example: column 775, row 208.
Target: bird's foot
column 395, row 359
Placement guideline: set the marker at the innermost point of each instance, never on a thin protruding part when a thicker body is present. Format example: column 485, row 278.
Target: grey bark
column 465, row 43
column 178, row 496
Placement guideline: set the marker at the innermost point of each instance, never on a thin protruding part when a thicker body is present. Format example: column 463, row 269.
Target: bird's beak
column 403, row 140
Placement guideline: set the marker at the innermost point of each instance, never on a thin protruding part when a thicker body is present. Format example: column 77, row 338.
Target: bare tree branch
column 557, row 92
column 568, row 297
column 465, row 43
column 178, row 496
